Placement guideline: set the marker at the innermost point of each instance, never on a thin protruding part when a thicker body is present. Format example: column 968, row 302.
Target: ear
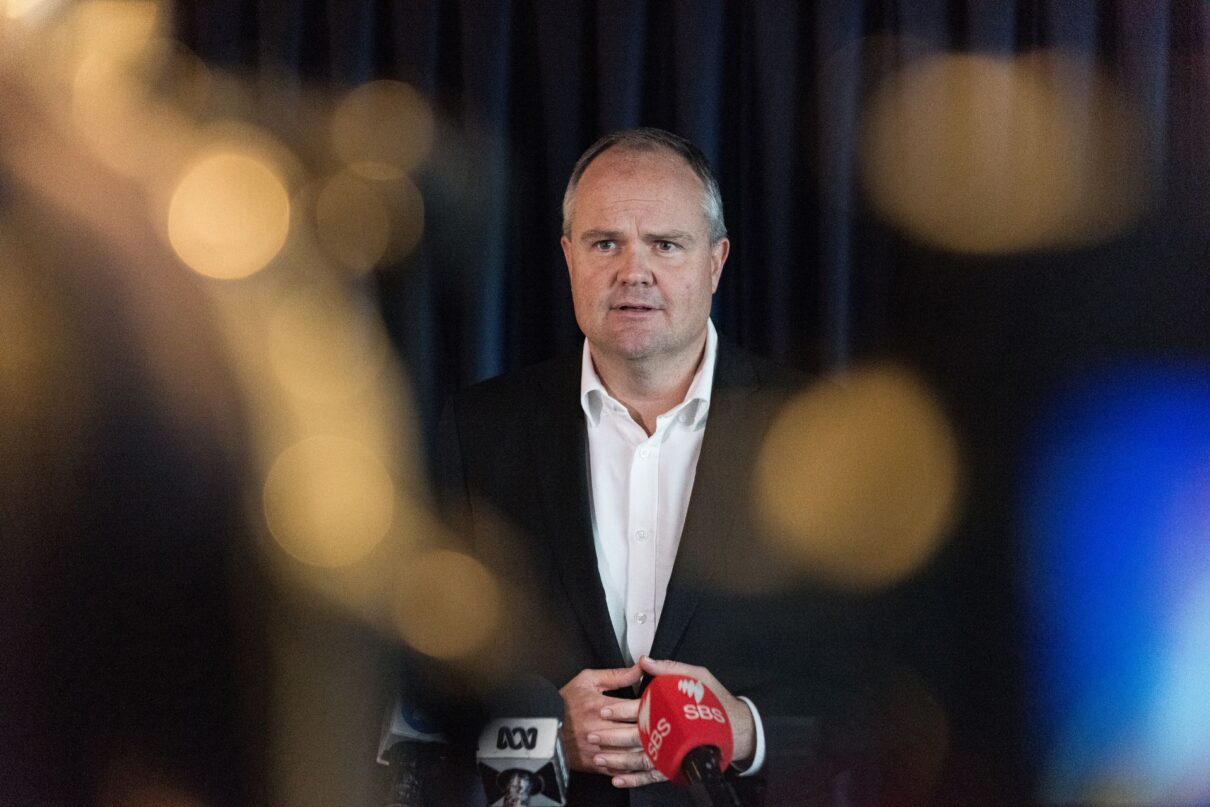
column 718, row 256
column 565, row 242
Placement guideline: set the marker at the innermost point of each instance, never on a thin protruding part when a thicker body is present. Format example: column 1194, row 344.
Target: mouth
column 635, row 307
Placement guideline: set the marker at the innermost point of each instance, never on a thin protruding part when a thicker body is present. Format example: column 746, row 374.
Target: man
column 610, row 492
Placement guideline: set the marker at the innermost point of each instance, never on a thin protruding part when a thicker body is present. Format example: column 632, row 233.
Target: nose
column 634, row 270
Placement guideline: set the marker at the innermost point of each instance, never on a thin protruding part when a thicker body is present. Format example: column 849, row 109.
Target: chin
column 629, row 345
column 628, row 351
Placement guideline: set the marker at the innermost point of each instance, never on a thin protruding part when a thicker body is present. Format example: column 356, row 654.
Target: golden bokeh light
column 352, row 222
column 322, row 349
column 27, row 342
column 117, row 28
column 448, row 604
column 407, row 217
column 43, row 389
column 116, row 62
column 987, row 154
column 229, row 215
column 183, row 77
column 858, row 478
column 122, row 70
column 115, row 117
column 328, row 501
column 382, row 129
column 27, row 9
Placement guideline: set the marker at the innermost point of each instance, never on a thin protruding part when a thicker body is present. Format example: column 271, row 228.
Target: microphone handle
column 412, row 762
column 520, row 786
column 707, row 786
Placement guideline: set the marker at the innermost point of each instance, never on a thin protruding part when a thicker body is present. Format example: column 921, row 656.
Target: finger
column 616, row 678
column 616, row 738
column 621, row 710
column 629, row 761
column 637, row 779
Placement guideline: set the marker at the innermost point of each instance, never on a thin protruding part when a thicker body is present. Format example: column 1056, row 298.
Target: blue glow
column 1117, row 515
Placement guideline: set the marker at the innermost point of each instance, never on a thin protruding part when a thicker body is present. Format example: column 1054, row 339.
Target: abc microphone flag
column 520, row 757
column 686, row 734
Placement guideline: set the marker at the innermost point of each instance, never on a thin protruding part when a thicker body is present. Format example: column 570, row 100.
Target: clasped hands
column 601, row 735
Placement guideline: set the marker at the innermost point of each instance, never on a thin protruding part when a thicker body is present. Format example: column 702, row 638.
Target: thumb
column 667, row 667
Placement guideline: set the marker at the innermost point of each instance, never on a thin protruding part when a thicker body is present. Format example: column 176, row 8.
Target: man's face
column 639, row 255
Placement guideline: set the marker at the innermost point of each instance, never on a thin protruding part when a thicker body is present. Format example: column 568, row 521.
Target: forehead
column 650, row 183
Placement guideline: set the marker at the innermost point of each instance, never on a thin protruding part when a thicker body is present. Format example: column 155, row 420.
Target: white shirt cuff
column 758, row 756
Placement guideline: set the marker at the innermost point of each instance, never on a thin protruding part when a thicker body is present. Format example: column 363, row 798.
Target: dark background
column 772, row 92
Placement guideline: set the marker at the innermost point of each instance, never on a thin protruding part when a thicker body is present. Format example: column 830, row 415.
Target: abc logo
column 697, row 711
column 516, row 738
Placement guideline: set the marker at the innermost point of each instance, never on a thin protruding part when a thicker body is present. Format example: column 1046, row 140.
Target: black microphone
column 411, row 745
column 521, row 758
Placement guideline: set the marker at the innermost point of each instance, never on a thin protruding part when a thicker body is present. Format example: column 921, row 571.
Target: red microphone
column 686, row 734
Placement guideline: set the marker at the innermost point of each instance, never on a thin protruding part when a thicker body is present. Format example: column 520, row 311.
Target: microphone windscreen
column 678, row 713
column 526, row 696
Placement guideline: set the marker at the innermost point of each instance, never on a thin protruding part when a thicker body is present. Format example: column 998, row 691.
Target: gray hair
column 649, row 139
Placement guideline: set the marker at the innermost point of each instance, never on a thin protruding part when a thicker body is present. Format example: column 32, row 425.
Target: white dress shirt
column 640, row 493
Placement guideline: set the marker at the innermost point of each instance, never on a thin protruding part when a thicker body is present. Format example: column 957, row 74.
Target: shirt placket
column 640, row 534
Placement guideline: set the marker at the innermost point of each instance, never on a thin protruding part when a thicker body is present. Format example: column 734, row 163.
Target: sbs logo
column 662, row 730
column 691, row 687
column 516, row 738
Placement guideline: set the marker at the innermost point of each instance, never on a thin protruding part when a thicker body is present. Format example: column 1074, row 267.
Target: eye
column 666, row 246
column 604, row 245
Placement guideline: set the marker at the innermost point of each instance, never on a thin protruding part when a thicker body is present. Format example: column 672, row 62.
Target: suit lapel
column 567, row 505
column 718, row 497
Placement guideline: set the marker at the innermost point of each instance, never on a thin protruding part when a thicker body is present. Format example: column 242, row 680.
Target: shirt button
column 640, row 617
column 684, row 418
column 644, row 452
column 641, row 535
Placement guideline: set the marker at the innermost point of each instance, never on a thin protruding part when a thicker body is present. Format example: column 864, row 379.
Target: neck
column 647, row 390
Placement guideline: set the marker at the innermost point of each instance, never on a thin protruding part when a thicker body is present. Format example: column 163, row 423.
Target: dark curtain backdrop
column 774, row 93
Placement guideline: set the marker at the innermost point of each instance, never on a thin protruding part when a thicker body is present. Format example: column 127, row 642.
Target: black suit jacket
column 514, row 471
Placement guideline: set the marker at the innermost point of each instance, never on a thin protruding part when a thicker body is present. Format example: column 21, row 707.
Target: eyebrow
column 601, row 235
column 616, row 235
column 671, row 235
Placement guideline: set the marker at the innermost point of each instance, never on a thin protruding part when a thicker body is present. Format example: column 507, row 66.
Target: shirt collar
column 594, row 397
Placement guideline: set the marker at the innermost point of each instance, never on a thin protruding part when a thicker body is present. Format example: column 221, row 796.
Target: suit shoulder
column 520, row 388
column 743, row 365
column 781, row 376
